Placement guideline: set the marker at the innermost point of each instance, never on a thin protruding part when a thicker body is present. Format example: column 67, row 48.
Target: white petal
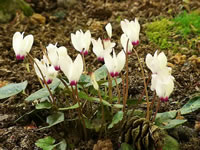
column 51, row 73
column 42, row 68
column 149, row 60
column 109, row 30
column 121, row 58
column 28, row 42
column 97, row 47
column 17, row 42
column 78, row 68
column 162, row 60
column 87, row 39
column 109, row 63
column 65, row 64
column 76, row 42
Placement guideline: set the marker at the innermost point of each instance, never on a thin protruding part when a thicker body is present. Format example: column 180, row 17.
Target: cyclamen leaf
column 46, row 143
column 170, row 143
column 117, row 118
column 191, row 106
column 12, row 89
column 44, row 91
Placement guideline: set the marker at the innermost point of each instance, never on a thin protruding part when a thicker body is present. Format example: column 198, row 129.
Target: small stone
column 38, row 19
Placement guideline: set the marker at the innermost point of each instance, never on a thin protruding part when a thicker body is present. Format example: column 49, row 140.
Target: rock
column 38, row 19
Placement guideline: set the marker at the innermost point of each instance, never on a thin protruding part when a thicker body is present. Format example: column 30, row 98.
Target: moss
column 159, row 33
column 179, row 32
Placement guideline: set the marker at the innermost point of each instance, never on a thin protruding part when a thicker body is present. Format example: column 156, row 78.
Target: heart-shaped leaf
column 191, row 106
column 117, row 118
column 44, row 91
column 12, row 89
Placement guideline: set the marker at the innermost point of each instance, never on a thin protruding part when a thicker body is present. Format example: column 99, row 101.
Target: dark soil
column 60, row 23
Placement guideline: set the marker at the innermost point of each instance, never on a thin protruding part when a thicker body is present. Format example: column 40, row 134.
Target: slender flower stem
column 145, row 85
column 110, row 87
column 123, row 82
column 118, row 91
column 152, row 103
column 102, row 111
column 84, row 64
column 45, row 82
column 126, row 64
column 80, row 111
column 157, row 109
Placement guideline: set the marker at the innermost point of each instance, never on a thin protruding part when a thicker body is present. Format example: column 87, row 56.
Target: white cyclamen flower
column 132, row 30
column 124, row 40
column 81, row 41
column 53, row 54
column 48, row 71
column 108, row 28
column 101, row 48
column 72, row 70
column 163, row 84
column 157, row 62
column 116, row 63
column 22, row 45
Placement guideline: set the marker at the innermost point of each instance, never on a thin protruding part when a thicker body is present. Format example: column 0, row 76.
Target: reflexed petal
column 27, row 43
column 97, row 47
column 65, row 65
column 109, row 63
column 42, row 68
column 51, row 73
column 17, row 42
column 149, row 60
column 109, row 30
column 162, row 60
column 121, row 58
column 87, row 39
column 76, row 42
column 78, row 68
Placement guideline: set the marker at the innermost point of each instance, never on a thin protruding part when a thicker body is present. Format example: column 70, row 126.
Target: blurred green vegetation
column 8, row 9
column 183, row 31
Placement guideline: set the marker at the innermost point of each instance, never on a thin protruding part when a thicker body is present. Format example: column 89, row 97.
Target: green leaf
column 163, row 117
column 191, row 106
column 170, row 143
column 46, row 143
column 125, row 146
column 62, row 145
column 101, row 73
column 93, row 124
column 43, row 105
column 118, row 106
column 54, row 119
column 44, row 91
column 117, row 118
column 83, row 95
column 84, row 79
column 119, row 80
column 168, row 124
column 12, row 89
column 71, row 107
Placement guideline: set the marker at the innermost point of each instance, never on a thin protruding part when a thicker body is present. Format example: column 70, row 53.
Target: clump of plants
column 181, row 31
column 87, row 100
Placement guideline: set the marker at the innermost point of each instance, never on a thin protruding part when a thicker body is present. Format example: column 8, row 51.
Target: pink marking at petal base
column 129, row 53
column 116, row 74
column 72, row 83
column 85, row 53
column 112, row 74
column 107, row 39
column 134, row 43
column 22, row 57
column 164, row 99
column 49, row 81
column 18, row 57
column 57, row 68
column 100, row 59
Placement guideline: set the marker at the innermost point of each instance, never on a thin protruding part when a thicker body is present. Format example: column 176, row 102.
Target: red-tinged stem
column 126, row 91
column 80, row 112
column 145, row 85
column 118, row 91
column 45, row 82
column 157, row 109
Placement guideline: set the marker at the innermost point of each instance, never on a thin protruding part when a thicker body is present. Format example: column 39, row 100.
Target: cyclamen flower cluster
column 57, row 58
column 162, row 81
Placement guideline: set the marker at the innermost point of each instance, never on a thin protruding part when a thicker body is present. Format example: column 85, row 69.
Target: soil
column 55, row 26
